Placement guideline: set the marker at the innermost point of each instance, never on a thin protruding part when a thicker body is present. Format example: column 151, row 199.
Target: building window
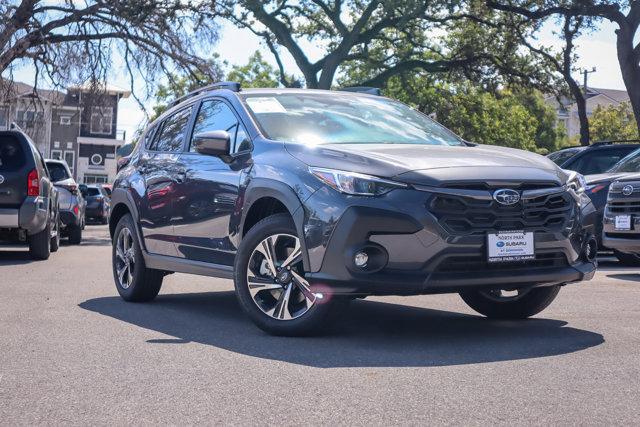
column 69, row 157
column 69, row 145
column 95, row 179
column 65, row 120
column 101, row 120
column 56, row 154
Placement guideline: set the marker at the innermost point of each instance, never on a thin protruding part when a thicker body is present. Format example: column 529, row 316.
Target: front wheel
column 270, row 284
column 518, row 304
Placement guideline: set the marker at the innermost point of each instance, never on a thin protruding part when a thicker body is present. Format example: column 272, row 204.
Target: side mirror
column 213, row 143
column 83, row 189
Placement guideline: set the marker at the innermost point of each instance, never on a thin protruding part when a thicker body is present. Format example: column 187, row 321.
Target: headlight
column 576, row 182
column 353, row 183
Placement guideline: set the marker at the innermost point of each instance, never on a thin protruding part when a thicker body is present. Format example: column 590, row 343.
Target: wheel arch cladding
column 265, row 197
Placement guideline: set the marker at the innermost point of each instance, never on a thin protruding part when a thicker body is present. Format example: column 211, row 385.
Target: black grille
column 631, row 207
column 631, row 236
column 467, row 264
column 466, row 215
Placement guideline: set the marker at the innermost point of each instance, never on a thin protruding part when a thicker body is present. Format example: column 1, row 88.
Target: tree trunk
column 630, row 69
column 581, row 103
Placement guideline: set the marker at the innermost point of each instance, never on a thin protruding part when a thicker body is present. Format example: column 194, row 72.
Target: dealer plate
column 506, row 246
column 623, row 222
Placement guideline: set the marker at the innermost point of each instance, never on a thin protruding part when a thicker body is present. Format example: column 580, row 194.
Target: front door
column 207, row 197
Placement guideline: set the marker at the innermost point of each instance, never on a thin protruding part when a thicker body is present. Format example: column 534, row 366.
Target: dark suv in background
column 28, row 198
column 596, row 158
column 309, row 198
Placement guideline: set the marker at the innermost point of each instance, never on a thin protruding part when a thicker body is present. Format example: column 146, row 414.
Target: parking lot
column 71, row 351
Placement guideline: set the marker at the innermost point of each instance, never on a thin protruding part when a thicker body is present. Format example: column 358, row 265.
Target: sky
column 596, row 49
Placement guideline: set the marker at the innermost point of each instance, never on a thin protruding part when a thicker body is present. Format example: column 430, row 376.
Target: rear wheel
column 270, row 284
column 631, row 260
column 134, row 281
column 40, row 244
column 518, row 304
column 75, row 234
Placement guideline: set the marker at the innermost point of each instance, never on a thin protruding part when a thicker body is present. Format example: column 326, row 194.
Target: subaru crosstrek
column 309, row 198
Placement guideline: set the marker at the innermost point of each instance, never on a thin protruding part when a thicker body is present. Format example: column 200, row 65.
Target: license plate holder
column 510, row 246
column 623, row 222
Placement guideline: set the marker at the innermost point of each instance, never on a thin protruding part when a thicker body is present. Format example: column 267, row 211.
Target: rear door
column 16, row 161
column 160, row 170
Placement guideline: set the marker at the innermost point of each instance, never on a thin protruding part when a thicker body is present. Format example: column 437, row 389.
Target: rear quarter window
column 12, row 155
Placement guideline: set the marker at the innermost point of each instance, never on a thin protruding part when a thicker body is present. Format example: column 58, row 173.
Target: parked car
column 621, row 224
column 98, row 203
column 596, row 158
column 71, row 203
column 315, row 197
column 598, row 188
column 28, row 198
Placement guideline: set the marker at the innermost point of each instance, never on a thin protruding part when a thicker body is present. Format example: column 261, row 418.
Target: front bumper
column 627, row 241
column 421, row 256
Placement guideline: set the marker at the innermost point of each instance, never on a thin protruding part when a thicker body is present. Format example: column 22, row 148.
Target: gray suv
column 309, row 198
column 28, row 199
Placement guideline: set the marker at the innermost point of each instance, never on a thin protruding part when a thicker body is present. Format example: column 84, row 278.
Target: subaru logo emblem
column 506, row 196
column 627, row 190
column 1, row 179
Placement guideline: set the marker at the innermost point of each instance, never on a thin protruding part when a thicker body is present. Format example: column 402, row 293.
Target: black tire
column 55, row 240
column 40, row 244
column 630, row 260
column 530, row 303
column 75, row 234
column 145, row 282
column 314, row 320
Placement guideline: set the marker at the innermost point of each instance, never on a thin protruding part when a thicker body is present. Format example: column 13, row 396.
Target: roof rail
column 616, row 141
column 363, row 89
column 232, row 86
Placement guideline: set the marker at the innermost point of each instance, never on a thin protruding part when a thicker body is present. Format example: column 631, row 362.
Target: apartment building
column 78, row 125
column 567, row 110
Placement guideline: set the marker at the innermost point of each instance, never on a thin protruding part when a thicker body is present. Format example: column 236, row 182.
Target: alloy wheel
column 276, row 280
column 125, row 258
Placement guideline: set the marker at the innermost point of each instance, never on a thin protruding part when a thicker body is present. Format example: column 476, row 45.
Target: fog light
column 361, row 259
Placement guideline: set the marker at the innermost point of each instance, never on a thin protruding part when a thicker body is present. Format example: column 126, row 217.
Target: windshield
column 57, row 171
column 559, row 157
column 339, row 118
column 631, row 163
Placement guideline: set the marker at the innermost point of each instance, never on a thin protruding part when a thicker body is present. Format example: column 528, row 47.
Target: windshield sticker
column 261, row 105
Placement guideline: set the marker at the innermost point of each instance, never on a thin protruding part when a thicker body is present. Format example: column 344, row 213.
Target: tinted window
column 598, row 161
column 173, row 132
column 91, row 191
column 216, row 115
column 12, row 155
column 148, row 138
column 57, row 171
column 631, row 163
column 338, row 118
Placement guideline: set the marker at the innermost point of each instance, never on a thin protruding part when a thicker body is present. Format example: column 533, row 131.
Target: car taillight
column 76, row 209
column 33, row 183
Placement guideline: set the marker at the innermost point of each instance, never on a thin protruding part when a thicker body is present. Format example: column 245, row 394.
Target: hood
column 430, row 164
column 65, row 182
column 603, row 177
column 629, row 177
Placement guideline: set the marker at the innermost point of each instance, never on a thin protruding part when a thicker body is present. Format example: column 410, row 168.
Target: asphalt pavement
column 72, row 352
